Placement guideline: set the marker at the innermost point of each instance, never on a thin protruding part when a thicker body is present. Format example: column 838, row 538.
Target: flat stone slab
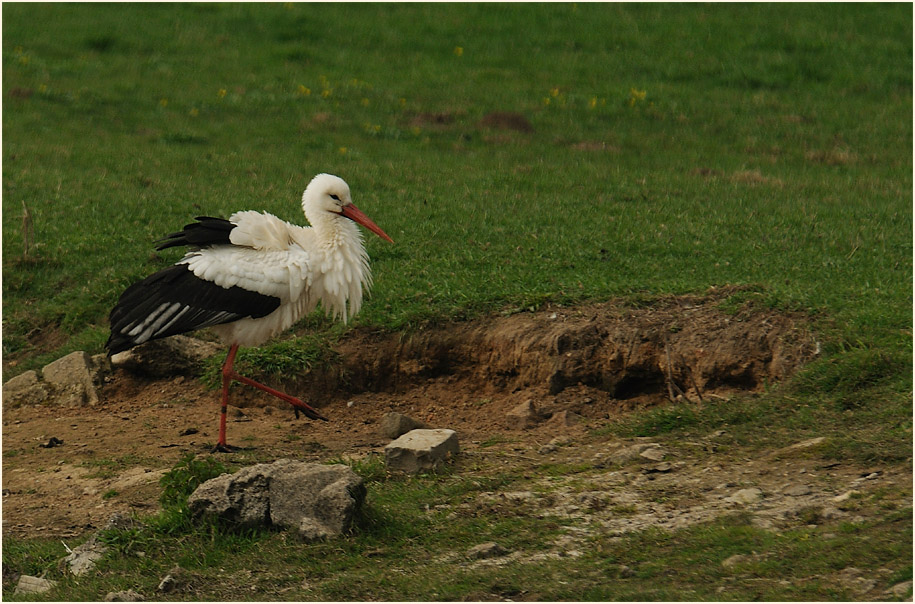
column 33, row 585
column 420, row 450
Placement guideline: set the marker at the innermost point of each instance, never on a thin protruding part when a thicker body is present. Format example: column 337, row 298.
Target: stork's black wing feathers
column 174, row 301
column 206, row 231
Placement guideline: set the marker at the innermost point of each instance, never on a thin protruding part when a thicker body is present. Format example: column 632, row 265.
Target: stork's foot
column 307, row 412
column 221, row 448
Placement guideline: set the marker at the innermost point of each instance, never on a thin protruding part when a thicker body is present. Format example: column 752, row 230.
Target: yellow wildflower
column 554, row 92
column 195, row 112
column 458, row 51
column 636, row 96
column 592, row 103
column 342, row 150
column 325, row 93
column 221, row 93
column 304, row 90
column 163, row 102
column 365, row 102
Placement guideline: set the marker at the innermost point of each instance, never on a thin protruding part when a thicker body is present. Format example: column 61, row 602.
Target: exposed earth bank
column 571, row 371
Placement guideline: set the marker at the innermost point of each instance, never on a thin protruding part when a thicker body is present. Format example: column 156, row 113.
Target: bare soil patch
column 580, row 366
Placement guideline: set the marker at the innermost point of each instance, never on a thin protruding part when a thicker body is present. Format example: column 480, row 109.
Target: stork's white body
column 299, row 265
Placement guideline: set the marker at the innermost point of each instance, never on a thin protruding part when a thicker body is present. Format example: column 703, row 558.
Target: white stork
column 251, row 277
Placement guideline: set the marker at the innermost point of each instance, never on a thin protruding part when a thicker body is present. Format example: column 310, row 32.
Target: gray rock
column 855, row 580
column 169, row 357
column 316, row 500
column 24, row 389
column 33, row 585
column 734, row 560
column 901, row 590
column 83, row 558
column 745, row 496
column 523, row 416
column 490, row 549
column 172, row 581
column 564, row 419
column 633, row 452
column 805, row 444
column 124, row 596
column 397, row 424
column 845, row 496
column 419, row 450
column 653, row 454
column 625, row 572
column 71, row 380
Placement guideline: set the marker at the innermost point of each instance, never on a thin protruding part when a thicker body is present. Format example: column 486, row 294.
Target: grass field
column 517, row 154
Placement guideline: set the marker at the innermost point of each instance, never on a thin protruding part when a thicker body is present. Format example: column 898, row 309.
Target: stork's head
column 327, row 193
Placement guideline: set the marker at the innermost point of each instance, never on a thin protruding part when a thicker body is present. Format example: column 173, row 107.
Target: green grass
column 769, row 149
column 672, row 148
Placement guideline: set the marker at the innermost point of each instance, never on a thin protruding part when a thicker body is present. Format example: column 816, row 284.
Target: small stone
column 564, row 419
column 844, row 496
column 797, row 490
column 806, row 444
column 745, row 496
column 171, row 581
column 33, row 585
column 652, row 454
column 662, row 468
column 396, row 424
column 547, row 449
column 734, row 560
column 523, row 416
column 630, row 453
column 84, row 557
column 124, row 596
column 486, row 550
column 625, row 572
column 419, row 450
column 901, row 590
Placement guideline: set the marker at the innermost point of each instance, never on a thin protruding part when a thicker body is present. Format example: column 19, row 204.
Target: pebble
column 490, row 549
column 745, row 496
column 124, row 596
column 797, row 490
column 33, row 585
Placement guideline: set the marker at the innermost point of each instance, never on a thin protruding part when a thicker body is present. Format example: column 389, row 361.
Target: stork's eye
column 334, row 197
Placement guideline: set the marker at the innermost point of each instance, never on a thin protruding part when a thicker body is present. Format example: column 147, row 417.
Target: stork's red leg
column 229, row 374
column 302, row 406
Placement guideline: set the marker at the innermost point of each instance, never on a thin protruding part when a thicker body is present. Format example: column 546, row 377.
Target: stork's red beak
column 356, row 215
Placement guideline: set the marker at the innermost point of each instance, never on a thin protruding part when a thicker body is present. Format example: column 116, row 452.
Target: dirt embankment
column 594, row 362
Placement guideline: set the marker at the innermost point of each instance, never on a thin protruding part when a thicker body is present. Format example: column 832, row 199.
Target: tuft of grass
column 188, row 474
column 282, row 359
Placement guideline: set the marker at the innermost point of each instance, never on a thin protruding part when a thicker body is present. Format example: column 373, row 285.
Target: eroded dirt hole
column 679, row 347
